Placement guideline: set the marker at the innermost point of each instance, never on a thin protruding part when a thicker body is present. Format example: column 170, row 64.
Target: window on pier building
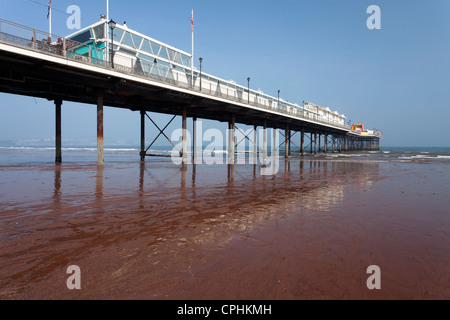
column 99, row 31
column 137, row 40
column 82, row 37
column 155, row 48
column 146, row 47
column 127, row 40
column 118, row 33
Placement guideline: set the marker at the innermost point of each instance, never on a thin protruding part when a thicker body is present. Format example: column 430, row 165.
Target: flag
column 192, row 20
column 49, row 8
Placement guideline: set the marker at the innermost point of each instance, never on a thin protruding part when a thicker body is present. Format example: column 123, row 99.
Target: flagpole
column 107, row 37
column 192, row 59
column 50, row 21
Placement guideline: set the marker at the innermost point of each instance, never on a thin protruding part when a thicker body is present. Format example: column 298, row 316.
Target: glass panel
column 177, row 58
column 146, row 47
column 163, row 63
column 127, row 40
column 146, row 66
column 186, row 60
column 82, row 37
column 154, row 70
column 99, row 32
column 169, row 75
column 171, row 54
column 145, row 57
column 127, row 51
column 163, row 53
column 155, row 48
column 118, row 33
column 137, row 41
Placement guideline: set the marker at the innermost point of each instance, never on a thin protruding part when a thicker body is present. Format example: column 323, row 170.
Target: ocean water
column 34, row 155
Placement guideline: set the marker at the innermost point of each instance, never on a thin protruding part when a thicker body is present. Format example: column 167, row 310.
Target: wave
column 421, row 156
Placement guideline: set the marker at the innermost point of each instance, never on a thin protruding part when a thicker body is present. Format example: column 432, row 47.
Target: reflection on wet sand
column 153, row 228
column 99, row 183
column 57, row 193
column 239, row 206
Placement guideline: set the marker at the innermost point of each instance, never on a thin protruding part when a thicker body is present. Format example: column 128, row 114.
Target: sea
column 45, row 154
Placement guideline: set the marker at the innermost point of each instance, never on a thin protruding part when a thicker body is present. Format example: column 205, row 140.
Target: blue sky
column 396, row 79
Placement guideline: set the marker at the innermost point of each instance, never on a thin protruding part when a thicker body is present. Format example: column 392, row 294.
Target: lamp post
column 112, row 25
column 278, row 106
column 248, row 81
column 201, row 60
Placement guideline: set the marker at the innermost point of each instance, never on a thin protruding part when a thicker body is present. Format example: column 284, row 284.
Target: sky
column 395, row 79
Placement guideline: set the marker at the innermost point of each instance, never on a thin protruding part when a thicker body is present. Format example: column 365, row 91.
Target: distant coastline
column 7, row 143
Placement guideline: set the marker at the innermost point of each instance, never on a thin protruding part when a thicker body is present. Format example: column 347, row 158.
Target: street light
column 248, row 81
column 278, row 99
column 112, row 25
column 201, row 60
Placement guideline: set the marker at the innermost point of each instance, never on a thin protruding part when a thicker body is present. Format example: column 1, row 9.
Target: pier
column 107, row 64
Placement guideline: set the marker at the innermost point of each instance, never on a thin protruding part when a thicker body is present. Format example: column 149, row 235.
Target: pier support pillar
column 184, row 138
column 265, row 144
column 274, row 142
column 333, row 144
column 340, row 143
column 319, row 144
column 142, row 153
column 58, row 153
column 325, row 144
column 100, row 130
column 302, row 142
column 315, row 143
column 287, row 142
column 231, row 142
column 255, row 144
column 194, row 139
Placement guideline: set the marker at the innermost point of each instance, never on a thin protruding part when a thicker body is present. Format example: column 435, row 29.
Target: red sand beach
column 158, row 231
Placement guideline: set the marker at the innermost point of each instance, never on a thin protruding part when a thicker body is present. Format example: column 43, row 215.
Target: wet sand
column 161, row 231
